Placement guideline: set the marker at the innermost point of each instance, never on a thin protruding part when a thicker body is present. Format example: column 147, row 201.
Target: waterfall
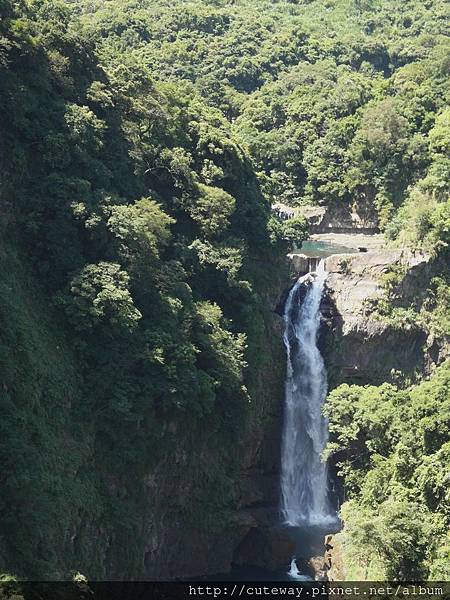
column 304, row 494
column 294, row 573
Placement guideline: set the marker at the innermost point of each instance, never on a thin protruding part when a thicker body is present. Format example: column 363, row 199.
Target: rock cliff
column 361, row 346
column 176, row 547
column 184, row 511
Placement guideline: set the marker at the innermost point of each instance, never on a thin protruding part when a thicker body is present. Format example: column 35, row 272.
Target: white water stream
column 304, row 492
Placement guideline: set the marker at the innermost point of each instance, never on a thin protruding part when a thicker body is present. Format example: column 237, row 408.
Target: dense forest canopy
column 393, row 447
column 144, row 222
column 142, row 144
column 337, row 102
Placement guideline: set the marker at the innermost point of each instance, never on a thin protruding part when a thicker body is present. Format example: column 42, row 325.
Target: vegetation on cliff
column 143, row 231
column 393, row 451
column 142, row 145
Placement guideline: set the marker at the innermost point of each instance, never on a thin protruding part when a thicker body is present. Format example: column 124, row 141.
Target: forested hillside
column 392, row 447
column 143, row 231
column 338, row 101
column 141, row 146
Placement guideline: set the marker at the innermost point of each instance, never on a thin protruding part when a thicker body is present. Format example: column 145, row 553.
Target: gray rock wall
column 361, row 347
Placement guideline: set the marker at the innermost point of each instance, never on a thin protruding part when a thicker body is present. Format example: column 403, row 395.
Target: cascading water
column 294, row 573
column 304, row 494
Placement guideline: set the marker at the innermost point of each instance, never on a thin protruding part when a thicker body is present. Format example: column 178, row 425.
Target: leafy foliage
column 141, row 217
column 340, row 103
column 142, row 145
column 392, row 449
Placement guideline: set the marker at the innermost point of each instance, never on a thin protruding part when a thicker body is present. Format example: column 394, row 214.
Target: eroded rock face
column 361, row 217
column 360, row 346
column 176, row 548
column 333, row 560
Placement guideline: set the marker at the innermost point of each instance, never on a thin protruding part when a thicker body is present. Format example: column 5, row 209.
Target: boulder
column 318, row 566
column 333, row 560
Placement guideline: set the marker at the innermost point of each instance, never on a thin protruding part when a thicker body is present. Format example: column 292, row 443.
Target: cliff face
column 190, row 507
column 360, row 217
column 183, row 535
column 179, row 546
column 204, row 505
column 361, row 346
column 361, row 343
